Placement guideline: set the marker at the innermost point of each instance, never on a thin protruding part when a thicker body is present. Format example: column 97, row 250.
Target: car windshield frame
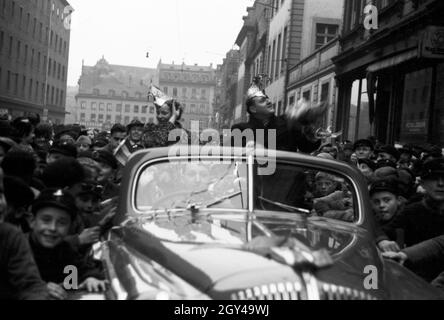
column 357, row 197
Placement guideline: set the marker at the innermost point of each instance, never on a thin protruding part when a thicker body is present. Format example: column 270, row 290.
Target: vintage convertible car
column 214, row 223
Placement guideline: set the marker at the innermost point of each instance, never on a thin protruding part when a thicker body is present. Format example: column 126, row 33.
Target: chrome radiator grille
column 274, row 291
column 334, row 292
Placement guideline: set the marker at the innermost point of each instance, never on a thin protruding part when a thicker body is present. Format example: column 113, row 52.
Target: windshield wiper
column 285, row 206
column 222, row 199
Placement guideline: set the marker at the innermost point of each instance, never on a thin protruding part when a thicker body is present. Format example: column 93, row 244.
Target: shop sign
column 415, row 127
column 432, row 43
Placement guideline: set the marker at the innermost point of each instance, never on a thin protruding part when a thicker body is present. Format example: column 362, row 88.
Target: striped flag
column 122, row 152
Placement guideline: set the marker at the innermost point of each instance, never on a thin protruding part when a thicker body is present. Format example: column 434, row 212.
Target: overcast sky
column 194, row 31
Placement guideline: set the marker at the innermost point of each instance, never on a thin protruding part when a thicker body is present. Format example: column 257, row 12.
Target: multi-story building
column 226, row 90
column 252, row 42
column 298, row 28
column 34, row 47
column 111, row 94
column 194, row 87
column 313, row 79
column 390, row 72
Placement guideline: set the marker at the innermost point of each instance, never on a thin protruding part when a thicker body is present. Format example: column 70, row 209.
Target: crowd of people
column 59, row 186
column 406, row 188
column 58, row 192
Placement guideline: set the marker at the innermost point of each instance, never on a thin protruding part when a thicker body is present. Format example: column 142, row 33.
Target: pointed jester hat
column 160, row 98
column 257, row 87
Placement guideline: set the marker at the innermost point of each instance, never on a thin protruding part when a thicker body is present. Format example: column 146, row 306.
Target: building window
column 174, row 92
column 83, row 105
column 278, row 57
column 151, row 120
column 82, row 117
column 119, row 108
column 136, row 109
column 273, row 59
column 25, row 58
column 102, row 107
column 325, row 92
column 127, row 120
column 111, row 93
column 19, row 46
column 108, row 118
column 118, row 119
column 93, row 117
column 93, row 106
column 143, row 119
column 151, row 110
column 36, row 93
column 127, row 108
column 109, row 107
column 193, row 108
column 144, row 109
column 325, row 33
column 193, row 93
column 184, row 92
column 30, row 89
column 100, row 118
column 307, row 95
column 165, row 90
column 202, row 108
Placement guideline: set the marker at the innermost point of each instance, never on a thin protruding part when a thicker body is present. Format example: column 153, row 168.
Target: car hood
column 222, row 269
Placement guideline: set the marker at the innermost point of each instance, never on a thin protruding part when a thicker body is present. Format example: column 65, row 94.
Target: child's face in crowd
column 87, row 203
column 434, row 187
column 324, row 187
column 385, row 205
column 363, row 152
column 50, row 226
column 105, row 172
column 82, row 147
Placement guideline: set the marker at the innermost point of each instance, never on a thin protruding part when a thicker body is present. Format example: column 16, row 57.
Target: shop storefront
column 392, row 86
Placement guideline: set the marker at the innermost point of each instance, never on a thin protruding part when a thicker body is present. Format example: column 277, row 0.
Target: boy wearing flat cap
column 107, row 170
column 424, row 220
column 53, row 212
column 363, row 149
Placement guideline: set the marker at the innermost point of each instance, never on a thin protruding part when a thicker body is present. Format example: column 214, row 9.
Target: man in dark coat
column 292, row 132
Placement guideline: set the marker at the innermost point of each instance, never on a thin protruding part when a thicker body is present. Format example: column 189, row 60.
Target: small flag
column 122, row 152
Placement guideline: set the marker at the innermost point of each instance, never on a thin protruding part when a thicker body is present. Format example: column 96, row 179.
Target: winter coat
column 19, row 274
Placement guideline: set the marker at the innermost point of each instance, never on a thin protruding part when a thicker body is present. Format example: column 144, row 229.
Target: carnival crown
column 257, row 88
column 160, row 98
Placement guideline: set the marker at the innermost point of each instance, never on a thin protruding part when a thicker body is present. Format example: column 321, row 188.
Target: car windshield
column 224, row 185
